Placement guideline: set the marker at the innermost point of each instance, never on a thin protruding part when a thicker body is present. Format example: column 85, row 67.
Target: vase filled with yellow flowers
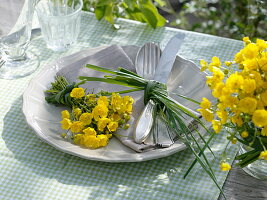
column 240, row 107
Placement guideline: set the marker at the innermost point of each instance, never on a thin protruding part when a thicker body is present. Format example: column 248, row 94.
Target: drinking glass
column 60, row 22
column 14, row 61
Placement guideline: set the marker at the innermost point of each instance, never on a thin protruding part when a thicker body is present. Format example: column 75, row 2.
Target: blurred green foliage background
column 228, row 18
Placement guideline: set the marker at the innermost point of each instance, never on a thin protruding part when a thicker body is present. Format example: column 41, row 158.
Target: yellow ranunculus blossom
column 205, row 104
column 234, row 81
column 223, row 115
column 103, row 139
column 103, row 100
column 263, row 63
column 263, row 97
column 86, row 118
column 204, row 65
column 236, row 119
column 216, row 61
column 259, row 118
column 102, row 123
column 112, row 126
column 246, row 40
column 207, row 114
column 66, row 123
column 225, row 166
column 218, row 90
column 264, row 131
column 76, row 127
column 251, row 64
column 263, row 155
column 115, row 117
column 77, row 93
column 100, row 111
column 250, row 51
column 244, row 134
column 261, row 44
column 77, row 112
column 65, row 114
column 247, row 105
column 216, row 125
column 89, row 131
column 249, row 85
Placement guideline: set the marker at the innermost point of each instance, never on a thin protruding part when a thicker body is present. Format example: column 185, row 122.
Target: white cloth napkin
column 111, row 57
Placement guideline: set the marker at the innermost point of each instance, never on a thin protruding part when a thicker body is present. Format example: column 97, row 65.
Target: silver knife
column 163, row 69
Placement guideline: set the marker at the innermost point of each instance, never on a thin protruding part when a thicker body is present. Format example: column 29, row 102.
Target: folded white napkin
column 111, row 57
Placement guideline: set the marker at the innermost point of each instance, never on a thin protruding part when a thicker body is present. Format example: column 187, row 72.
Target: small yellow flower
column 66, row 123
column 223, row 115
column 112, row 126
column 91, row 141
column 100, row 111
column 263, row 155
column 205, row 104
column 103, row 140
column 238, row 57
column 259, row 118
column 204, row 65
column 264, row 97
column 246, row 40
column 263, row 63
column 261, row 44
column 250, row 51
column 234, row 82
column 77, row 112
column 89, row 131
column 234, row 141
column 225, row 166
column 77, row 93
column 115, row 117
column 86, row 118
column 236, row 119
column 244, row 134
column 76, row 127
column 250, row 64
column 102, row 123
column 103, row 100
column 227, row 63
column 216, row 61
column 65, row 114
column 247, row 105
column 249, row 85
column 207, row 114
column 218, row 90
column 264, row 131
column 216, row 125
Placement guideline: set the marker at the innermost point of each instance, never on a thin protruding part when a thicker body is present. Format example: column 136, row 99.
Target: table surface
column 238, row 184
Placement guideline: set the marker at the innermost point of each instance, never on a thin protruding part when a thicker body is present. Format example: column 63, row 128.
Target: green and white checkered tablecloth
column 33, row 170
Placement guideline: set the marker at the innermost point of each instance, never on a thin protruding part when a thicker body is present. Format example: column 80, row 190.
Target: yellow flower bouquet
column 94, row 118
column 240, row 91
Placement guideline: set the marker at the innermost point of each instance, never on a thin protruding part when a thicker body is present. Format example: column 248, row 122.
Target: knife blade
column 168, row 57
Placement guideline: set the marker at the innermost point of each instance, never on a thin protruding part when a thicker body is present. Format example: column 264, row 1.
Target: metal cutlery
column 146, row 118
column 146, row 62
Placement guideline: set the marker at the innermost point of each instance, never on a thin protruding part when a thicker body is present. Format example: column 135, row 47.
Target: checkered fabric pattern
column 30, row 169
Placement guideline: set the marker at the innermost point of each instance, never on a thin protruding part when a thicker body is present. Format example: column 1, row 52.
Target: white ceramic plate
column 44, row 119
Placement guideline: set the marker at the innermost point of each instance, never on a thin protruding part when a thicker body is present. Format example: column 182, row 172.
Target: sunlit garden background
column 226, row 18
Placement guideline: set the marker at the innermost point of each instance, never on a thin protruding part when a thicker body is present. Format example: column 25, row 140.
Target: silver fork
column 146, row 62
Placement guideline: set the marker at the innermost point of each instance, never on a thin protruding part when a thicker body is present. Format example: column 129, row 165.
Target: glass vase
column 258, row 168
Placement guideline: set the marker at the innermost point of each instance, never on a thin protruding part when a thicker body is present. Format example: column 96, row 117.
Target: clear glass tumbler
column 14, row 39
column 60, row 22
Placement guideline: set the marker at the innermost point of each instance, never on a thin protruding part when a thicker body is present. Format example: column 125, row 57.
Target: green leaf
column 149, row 16
column 100, row 12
